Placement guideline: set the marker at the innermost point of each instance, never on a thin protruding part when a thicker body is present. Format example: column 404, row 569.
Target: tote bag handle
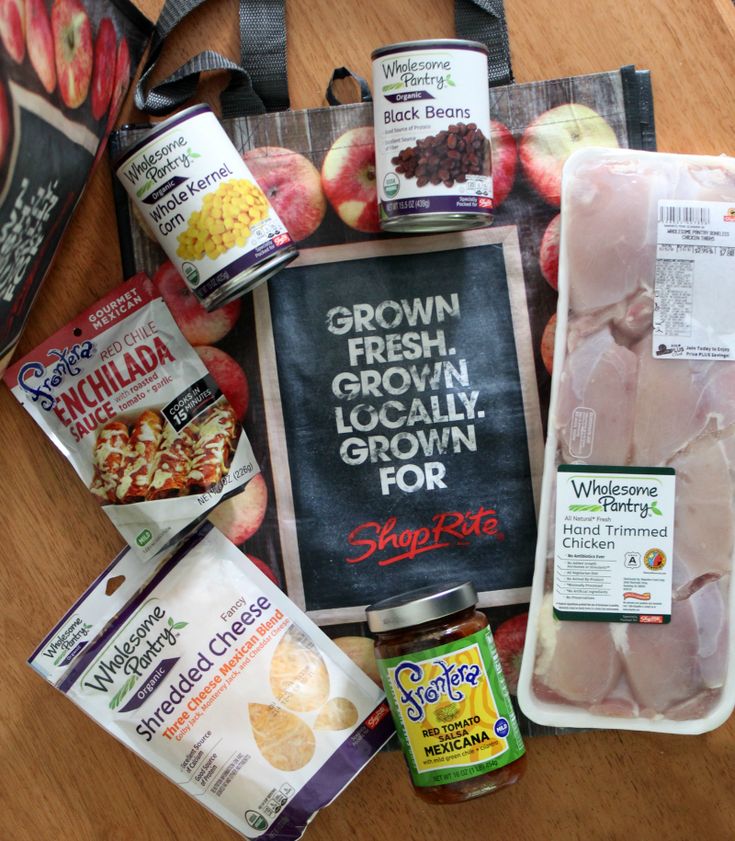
column 259, row 83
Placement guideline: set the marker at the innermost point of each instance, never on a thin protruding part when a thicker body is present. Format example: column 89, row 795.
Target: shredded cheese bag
column 207, row 670
column 125, row 397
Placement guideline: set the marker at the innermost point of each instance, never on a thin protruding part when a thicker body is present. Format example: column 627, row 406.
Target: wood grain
column 66, row 778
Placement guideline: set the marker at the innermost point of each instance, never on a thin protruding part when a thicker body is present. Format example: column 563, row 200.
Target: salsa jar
column 446, row 690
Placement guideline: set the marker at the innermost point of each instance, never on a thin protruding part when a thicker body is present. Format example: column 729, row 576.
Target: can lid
column 419, row 606
column 429, row 44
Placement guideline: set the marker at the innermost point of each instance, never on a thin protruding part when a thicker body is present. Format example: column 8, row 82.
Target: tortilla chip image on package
column 206, row 670
column 125, row 397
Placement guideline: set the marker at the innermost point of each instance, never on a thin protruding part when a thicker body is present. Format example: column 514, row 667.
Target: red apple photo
column 552, row 137
column 229, row 376
column 348, row 179
column 122, row 80
column 510, row 638
column 549, row 252
column 13, row 28
column 73, row 50
column 199, row 326
column 40, row 43
column 6, row 126
column 240, row 516
column 103, row 67
column 547, row 344
column 505, row 161
column 293, row 186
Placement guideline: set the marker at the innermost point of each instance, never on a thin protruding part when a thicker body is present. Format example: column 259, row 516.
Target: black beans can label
column 195, row 193
column 432, row 135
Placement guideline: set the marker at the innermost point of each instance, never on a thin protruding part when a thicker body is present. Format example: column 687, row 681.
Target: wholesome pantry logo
column 133, row 651
column 605, row 495
column 388, row 543
column 407, row 73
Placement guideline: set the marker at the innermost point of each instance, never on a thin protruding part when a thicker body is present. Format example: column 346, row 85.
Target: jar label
column 452, row 710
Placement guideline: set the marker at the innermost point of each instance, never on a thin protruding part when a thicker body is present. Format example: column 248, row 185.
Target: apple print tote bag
column 65, row 66
column 396, row 388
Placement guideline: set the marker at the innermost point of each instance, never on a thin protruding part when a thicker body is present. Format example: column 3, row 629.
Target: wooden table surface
column 64, row 777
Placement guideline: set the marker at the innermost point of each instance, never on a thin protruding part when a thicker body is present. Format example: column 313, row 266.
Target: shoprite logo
column 388, row 543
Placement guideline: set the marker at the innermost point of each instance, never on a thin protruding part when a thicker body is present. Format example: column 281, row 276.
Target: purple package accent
column 327, row 783
column 436, row 204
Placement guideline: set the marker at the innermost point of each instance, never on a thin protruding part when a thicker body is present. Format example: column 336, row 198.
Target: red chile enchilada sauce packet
column 128, row 401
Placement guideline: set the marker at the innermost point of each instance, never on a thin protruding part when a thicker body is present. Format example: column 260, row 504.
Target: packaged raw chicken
column 632, row 612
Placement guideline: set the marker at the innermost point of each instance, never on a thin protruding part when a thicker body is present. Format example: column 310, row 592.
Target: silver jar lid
column 419, row 606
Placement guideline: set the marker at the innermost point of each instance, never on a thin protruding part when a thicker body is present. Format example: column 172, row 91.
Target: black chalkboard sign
column 405, row 428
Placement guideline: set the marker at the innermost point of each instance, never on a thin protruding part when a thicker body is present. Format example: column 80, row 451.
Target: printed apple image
column 240, row 516
column 199, row 326
column 510, row 638
column 505, row 161
column 547, row 344
column 73, row 50
column 552, row 137
column 40, row 41
column 6, row 125
column 122, row 80
column 13, row 28
column 293, row 186
column 348, row 179
column 229, row 376
column 103, row 67
column 549, row 252
column 361, row 650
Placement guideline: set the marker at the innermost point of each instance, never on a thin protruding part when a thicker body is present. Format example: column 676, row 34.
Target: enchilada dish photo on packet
column 126, row 398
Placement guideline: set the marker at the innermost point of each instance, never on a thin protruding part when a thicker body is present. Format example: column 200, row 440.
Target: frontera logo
column 133, row 651
column 418, row 686
column 387, row 544
column 611, row 495
column 67, row 364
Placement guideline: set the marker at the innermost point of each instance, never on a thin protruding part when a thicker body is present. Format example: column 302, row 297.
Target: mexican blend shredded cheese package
column 127, row 400
column 211, row 674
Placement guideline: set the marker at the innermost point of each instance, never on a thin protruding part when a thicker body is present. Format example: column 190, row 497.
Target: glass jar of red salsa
column 447, row 693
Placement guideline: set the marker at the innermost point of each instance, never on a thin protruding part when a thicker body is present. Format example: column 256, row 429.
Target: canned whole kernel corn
column 210, row 216
column 432, row 136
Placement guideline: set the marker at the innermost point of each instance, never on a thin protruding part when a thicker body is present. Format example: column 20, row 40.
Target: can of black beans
column 432, row 136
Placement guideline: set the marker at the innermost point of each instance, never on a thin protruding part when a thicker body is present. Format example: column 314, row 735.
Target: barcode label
column 676, row 214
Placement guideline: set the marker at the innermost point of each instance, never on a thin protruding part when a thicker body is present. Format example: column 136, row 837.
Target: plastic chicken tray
column 643, row 378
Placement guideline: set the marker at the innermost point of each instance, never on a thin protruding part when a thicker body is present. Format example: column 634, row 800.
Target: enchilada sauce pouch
column 128, row 401
column 206, row 670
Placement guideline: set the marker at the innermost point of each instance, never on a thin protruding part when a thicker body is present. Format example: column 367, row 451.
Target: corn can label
column 432, row 131
column 198, row 197
column 452, row 710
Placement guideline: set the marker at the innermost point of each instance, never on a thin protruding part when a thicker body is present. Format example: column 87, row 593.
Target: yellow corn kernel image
column 224, row 220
